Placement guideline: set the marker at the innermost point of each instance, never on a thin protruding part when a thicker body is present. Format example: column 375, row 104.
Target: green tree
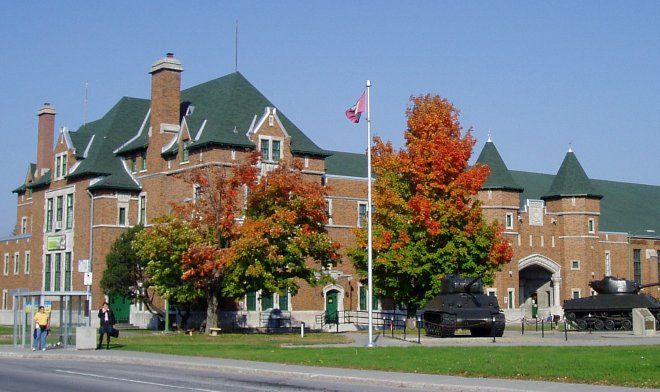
column 427, row 221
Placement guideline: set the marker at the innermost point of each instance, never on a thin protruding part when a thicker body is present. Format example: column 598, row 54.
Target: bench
column 215, row 331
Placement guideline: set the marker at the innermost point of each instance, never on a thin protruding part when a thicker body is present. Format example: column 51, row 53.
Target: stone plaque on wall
column 535, row 210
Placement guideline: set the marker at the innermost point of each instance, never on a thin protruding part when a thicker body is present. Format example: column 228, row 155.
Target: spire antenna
column 490, row 140
column 236, row 48
column 570, row 146
column 85, row 104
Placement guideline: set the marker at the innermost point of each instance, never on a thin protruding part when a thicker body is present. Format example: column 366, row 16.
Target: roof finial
column 489, row 138
column 570, row 146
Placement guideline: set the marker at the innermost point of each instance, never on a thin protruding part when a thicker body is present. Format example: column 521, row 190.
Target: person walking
column 107, row 319
column 41, row 325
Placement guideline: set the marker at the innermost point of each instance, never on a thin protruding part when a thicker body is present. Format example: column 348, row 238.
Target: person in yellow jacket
column 41, row 324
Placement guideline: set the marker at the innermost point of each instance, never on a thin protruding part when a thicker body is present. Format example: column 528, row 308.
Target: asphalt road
column 46, row 375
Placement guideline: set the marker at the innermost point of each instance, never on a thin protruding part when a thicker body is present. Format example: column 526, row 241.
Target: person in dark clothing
column 107, row 319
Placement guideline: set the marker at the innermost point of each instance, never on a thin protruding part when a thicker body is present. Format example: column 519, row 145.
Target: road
column 40, row 375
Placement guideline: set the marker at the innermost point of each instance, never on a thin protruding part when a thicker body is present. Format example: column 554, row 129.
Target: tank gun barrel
column 473, row 281
column 642, row 286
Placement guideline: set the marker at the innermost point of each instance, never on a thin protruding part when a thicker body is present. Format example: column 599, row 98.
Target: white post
column 302, row 329
column 369, row 253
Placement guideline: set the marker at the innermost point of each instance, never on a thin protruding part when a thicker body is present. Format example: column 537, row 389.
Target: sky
column 539, row 76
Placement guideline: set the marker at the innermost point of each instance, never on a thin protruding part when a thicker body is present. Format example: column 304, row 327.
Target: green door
column 266, row 301
column 331, row 298
column 121, row 308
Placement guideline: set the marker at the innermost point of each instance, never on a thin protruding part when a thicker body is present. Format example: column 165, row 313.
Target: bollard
column 542, row 329
column 384, row 326
column 537, row 324
column 392, row 326
column 419, row 330
column 565, row 330
column 492, row 329
column 404, row 330
column 523, row 326
column 302, row 329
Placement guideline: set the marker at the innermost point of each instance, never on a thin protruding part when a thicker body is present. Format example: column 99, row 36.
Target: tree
column 427, row 221
column 162, row 247
column 283, row 239
column 124, row 273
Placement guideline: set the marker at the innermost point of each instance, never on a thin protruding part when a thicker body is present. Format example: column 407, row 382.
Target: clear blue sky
column 538, row 75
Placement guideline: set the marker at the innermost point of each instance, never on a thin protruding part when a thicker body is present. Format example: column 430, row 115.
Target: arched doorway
column 539, row 278
column 334, row 302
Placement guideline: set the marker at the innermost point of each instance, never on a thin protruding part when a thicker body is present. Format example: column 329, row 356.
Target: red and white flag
column 354, row 112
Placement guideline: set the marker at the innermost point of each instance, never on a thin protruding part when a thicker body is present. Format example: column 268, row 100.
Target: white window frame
column 5, row 270
column 574, row 291
column 366, row 288
column 4, row 299
column 26, row 262
column 141, row 220
column 511, row 298
column 270, row 148
column 24, row 225
column 573, row 267
column 491, row 290
column 17, row 263
column 608, row 263
column 328, row 202
column 591, row 225
column 366, row 213
column 125, row 222
column 61, row 166
column 509, row 220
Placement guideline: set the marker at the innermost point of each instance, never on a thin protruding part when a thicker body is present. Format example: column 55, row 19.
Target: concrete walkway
column 389, row 379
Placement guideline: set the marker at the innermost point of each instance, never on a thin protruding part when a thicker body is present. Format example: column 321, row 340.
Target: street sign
column 87, row 279
column 84, row 265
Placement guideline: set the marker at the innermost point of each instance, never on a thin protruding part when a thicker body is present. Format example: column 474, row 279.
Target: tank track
column 605, row 321
column 444, row 329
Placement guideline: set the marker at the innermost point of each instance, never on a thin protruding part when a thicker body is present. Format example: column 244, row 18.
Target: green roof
column 44, row 180
column 625, row 207
column 571, row 180
column 121, row 180
column 32, row 169
column 499, row 177
column 346, row 164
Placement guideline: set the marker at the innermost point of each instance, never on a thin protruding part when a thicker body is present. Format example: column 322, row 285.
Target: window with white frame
column 49, row 215
column 608, row 263
column 60, row 166
column 4, row 299
column 69, row 211
column 363, row 299
column 67, row 271
column 185, row 153
column 47, row 274
column 362, row 214
column 591, row 225
column 122, row 216
column 143, row 155
column 17, row 263
column 510, row 297
column 5, row 270
column 26, row 264
column 58, row 272
column 24, row 225
column 491, row 292
column 328, row 210
column 142, row 216
column 575, row 265
column 271, row 149
column 575, row 293
column 59, row 212
column 509, row 220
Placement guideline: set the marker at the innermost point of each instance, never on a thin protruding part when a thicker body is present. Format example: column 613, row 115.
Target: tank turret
column 612, row 308
column 462, row 304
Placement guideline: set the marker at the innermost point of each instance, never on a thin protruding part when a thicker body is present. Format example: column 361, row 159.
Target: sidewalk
column 376, row 378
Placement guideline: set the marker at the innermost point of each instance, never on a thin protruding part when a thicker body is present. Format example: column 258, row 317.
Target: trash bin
column 535, row 310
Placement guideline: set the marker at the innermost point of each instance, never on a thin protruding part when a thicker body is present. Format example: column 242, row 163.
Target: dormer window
column 133, row 163
column 184, row 151
column 60, row 166
column 143, row 167
column 271, row 150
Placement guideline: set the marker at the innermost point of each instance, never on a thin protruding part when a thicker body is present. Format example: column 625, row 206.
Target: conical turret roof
column 500, row 177
column 571, row 180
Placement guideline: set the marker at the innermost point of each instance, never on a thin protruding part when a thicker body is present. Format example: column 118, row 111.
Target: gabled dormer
column 63, row 155
column 271, row 137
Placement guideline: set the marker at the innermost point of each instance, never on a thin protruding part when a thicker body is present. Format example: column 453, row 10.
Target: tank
column 462, row 304
column 612, row 308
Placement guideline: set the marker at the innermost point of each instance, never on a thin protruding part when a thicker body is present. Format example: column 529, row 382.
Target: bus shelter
column 67, row 309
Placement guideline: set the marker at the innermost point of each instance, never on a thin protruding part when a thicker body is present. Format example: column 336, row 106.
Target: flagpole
column 369, row 252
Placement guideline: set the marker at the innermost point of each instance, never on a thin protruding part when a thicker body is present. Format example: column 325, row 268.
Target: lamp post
column 648, row 233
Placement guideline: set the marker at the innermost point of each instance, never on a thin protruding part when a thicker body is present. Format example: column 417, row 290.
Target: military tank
column 462, row 304
column 612, row 308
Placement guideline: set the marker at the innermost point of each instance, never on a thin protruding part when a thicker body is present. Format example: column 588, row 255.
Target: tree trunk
column 411, row 317
column 212, row 310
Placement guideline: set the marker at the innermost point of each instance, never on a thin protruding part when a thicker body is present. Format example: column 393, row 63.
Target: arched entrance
column 539, row 280
column 334, row 303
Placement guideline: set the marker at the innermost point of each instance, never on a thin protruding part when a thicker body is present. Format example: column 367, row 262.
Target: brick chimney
column 45, row 135
column 165, row 106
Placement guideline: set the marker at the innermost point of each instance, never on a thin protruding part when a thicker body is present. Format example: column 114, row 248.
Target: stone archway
column 540, row 275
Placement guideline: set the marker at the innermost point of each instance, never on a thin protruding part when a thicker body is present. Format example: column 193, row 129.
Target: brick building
column 119, row 170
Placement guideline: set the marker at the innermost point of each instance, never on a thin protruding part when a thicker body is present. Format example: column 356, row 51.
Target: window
column 364, row 295
column 67, row 271
column 575, row 264
column 26, row 270
column 24, row 225
column 266, row 300
column 271, row 150
column 251, row 300
column 492, row 292
column 509, row 220
column 58, row 213
column 144, row 160
column 4, row 299
column 510, row 299
column 58, row 271
column 233, row 154
column 29, row 193
column 57, row 166
column 284, row 301
column 60, row 166
column 608, row 263
column 592, row 225
column 17, row 263
column 362, row 214
column 184, row 151
column 49, row 215
column 5, row 270
column 69, row 211
column 142, row 219
column 47, row 268
column 122, row 216
column 306, row 161
column 637, row 265
column 328, row 210
column 575, row 293
column 132, row 163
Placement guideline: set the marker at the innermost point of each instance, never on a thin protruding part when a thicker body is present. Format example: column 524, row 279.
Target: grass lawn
column 637, row 366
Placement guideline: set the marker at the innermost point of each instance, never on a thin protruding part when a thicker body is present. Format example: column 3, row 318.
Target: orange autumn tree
column 282, row 241
column 218, row 202
column 427, row 221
